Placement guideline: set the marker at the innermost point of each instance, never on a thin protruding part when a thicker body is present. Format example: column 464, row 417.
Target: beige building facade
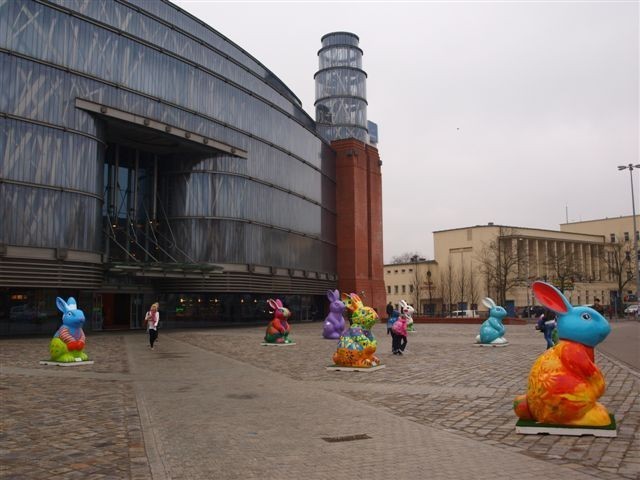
column 503, row 261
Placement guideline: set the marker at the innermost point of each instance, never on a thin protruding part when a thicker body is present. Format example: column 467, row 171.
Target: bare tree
column 501, row 263
column 473, row 289
column 407, row 257
column 461, row 283
column 562, row 265
column 617, row 257
column 446, row 287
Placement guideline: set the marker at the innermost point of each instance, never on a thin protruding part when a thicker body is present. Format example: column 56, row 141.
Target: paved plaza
column 214, row 404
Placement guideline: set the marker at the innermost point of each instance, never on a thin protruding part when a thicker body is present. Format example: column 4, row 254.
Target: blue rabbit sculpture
column 67, row 345
column 564, row 382
column 492, row 330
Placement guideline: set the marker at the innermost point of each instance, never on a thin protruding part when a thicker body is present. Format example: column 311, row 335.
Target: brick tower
column 341, row 116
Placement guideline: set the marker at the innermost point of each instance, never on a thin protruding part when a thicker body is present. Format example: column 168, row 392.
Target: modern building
column 586, row 260
column 144, row 156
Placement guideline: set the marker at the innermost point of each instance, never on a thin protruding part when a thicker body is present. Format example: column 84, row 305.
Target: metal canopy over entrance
column 163, row 134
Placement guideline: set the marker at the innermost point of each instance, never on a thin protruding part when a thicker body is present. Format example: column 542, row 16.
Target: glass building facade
column 145, row 156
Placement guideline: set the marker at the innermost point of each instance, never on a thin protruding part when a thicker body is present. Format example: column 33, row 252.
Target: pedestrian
column 389, row 310
column 392, row 317
column 547, row 324
column 597, row 307
column 151, row 319
column 399, row 334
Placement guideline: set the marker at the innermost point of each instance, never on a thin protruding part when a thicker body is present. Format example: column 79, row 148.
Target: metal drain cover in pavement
column 242, row 396
column 347, row 438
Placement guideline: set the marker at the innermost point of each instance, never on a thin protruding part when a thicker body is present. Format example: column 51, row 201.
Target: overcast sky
column 507, row 112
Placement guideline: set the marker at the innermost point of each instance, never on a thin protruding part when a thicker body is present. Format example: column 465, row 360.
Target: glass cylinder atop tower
column 341, row 89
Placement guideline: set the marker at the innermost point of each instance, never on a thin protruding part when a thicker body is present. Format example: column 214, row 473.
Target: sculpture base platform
column 338, row 368
column 531, row 427
column 66, row 364
column 266, row 344
column 491, row 344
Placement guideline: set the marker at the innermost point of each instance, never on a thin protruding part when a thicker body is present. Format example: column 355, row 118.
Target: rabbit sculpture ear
column 403, row 304
column 272, row 303
column 355, row 299
column 348, row 302
column 279, row 303
column 551, row 297
column 62, row 305
column 489, row 303
column 333, row 295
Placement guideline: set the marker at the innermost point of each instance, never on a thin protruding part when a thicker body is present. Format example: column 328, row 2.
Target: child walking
column 152, row 318
column 399, row 334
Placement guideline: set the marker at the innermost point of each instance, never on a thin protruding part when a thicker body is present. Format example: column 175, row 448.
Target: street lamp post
column 429, row 288
column 630, row 167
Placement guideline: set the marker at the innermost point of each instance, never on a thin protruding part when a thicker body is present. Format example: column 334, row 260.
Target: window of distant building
column 388, row 288
column 626, row 236
column 410, row 288
column 637, row 235
column 404, row 289
column 388, row 271
column 395, row 271
column 403, row 270
column 395, row 289
column 613, row 238
column 411, row 269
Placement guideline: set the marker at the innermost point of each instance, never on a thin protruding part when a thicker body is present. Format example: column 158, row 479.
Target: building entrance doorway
column 116, row 311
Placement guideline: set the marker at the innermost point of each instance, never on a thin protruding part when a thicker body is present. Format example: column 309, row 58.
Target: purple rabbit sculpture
column 334, row 323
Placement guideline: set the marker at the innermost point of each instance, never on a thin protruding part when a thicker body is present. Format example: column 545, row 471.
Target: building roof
column 492, row 225
column 600, row 219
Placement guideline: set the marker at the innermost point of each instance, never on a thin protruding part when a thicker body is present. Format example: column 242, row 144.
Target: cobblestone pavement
column 72, row 422
column 446, row 381
column 215, row 404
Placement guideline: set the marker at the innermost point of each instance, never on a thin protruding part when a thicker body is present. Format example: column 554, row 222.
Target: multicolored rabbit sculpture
column 278, row 329
column 357, row 346
column 564, row 382
column 492, row 329
column 67, row 345
column 334, row 322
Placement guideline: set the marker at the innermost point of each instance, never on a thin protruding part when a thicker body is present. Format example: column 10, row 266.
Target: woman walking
column 152, row 318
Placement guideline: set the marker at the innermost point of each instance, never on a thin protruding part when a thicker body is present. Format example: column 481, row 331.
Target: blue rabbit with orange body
column 564, row 382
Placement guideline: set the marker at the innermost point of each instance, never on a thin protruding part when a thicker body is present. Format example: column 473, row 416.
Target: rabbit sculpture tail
column 492, row 329
column 357, row 345
column 67, row 344
column 278, row 329
column 564, row 382
column 334, row 322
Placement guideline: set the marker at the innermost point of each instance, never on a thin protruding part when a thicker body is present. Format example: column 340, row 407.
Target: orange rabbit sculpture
column 564, row 382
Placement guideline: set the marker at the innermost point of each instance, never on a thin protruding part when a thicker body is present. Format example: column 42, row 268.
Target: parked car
column 465, row 313
column 532, row 311
column 631, row 309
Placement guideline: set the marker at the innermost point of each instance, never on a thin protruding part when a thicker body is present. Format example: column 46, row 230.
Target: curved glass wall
column 144, row 58
column 50, row 188
column 341, row 95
